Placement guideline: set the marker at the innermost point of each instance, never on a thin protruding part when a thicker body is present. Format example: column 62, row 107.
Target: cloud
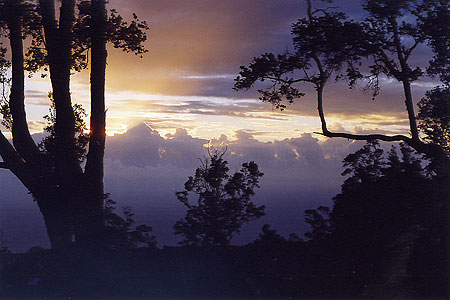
column 144, row 170
column 195, row 54
column 300, row 173
column 196, row 50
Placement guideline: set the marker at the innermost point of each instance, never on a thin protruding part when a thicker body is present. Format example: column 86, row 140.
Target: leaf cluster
column 275, row 69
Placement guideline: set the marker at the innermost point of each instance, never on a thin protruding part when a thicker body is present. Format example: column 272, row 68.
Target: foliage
column 329, row 45
column 60, row 43
column 269, row 236
column 326, row 37
column 48, row 144
column 435, row 23
column 119, row 233
column 223, row 203
column 434, row 117
column 123, row 35
column 386, row 197
column 5, row 85
column 320, row 221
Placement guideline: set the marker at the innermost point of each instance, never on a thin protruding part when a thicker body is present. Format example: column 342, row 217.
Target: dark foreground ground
column 291, row 271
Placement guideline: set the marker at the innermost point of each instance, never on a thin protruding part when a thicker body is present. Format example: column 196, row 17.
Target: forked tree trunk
column 71, row 201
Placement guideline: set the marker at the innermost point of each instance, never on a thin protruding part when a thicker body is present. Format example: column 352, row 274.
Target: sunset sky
column 186, row 79
column 182, row 91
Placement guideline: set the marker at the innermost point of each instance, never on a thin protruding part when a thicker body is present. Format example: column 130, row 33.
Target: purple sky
column 182, row 91
column 144, row 170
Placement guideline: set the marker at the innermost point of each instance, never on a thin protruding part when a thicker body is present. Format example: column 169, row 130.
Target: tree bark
column 58, row 219
column 59, row 47
column 68, row 174
column 22, row 140
column 94, row 208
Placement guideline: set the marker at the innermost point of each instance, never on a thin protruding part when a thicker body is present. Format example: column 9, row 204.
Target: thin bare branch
column 411, row 49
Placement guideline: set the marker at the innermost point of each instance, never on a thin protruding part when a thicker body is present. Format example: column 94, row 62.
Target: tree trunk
column 22, row 140
column 58, row 219
column 71, row 201
column 93, row 208
column 59, row 46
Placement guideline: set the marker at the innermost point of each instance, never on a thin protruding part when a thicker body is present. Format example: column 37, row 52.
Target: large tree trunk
column 72, row 202
column 91, row 228
column 58, row 220
column 68, row 175
column 59, row 46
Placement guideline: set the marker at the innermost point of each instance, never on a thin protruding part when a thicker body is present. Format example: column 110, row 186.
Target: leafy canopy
column 223, row 204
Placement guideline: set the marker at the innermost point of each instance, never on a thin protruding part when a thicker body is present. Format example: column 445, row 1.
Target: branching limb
column 323, row 10
column 14, row 162
column 411, row 49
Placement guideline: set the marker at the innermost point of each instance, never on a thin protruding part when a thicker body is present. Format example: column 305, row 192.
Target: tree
column 119, row 233
column 434, row 117
column 223, row 203
column 270, row 237
column 330, row 46
column 386, row 204
column 70, row 199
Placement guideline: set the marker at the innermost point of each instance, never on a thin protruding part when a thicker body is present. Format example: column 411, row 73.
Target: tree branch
column 287, row 81
column 367, row 137
column 410, row 50
column 323, row 10
column 388, row 63
column 22, row 140
column 14, row 162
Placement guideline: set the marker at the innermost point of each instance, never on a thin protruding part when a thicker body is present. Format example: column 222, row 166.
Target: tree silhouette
column 434, row 117
column 119, row 233
column 330, row 46
column 70, row 199
column 269, row 237
column 385, row 198
column 223, row 203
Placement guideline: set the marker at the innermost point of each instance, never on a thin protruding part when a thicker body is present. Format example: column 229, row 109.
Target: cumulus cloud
column 300, row 173
column 144, row 170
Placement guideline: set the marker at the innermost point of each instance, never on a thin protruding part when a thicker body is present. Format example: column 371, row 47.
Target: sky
column 163, row 108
